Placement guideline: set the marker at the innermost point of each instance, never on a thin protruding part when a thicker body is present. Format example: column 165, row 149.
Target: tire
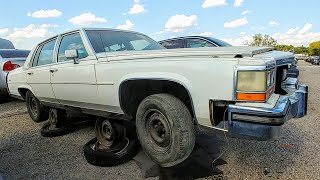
column 120, row 152
column 36, row 110
column 55, row 132
column 2, row 99
column 176, row 129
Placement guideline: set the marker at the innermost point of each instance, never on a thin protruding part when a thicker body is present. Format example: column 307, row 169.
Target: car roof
column 89, row 28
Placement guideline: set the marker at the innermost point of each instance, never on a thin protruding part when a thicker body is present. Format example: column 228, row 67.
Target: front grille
column 279, row 80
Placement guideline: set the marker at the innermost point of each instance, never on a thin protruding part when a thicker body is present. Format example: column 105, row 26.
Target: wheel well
column 132, row 92
column 23, row 92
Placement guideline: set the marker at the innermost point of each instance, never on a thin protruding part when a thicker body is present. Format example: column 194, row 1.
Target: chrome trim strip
column 83, row 105
column 105, row 83
column 82, row 83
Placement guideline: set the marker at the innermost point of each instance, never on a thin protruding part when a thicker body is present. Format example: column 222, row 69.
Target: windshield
column 219, row 42
column 112, row 41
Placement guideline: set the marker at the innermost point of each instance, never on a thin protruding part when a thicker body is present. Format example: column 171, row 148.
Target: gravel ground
column 24, row 154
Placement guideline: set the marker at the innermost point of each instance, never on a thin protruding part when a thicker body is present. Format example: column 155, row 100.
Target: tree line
column 266, row 40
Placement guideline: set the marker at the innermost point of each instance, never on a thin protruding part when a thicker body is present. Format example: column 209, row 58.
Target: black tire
column 61, row 125
column 119, row 152
column 2, row 99
column 55, row 132
column 176, row 129
column 36, row 110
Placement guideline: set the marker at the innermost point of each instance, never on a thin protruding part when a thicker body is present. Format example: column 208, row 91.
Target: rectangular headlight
column 252, row 81
column 255, row 85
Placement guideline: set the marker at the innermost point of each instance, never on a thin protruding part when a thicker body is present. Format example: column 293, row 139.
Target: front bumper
column 264, row 123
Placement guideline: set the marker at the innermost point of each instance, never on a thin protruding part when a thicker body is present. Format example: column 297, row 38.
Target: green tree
column 314, row 48
column 284, row 47
column 301, row 50
column 263, row 40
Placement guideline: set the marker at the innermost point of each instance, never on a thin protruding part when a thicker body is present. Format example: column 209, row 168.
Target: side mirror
column 72, row 54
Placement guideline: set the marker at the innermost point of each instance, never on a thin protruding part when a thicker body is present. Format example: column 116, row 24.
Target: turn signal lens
column 255, row 96
column 251, row 97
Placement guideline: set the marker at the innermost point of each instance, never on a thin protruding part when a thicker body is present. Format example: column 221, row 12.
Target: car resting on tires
column 138, row 91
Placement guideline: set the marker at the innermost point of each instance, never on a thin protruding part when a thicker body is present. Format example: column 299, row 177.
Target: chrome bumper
column 265, row 123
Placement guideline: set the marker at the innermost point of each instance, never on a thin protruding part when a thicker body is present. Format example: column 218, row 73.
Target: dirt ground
column 24, row 154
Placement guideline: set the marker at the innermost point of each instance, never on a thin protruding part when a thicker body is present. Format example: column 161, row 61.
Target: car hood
column 238, row 53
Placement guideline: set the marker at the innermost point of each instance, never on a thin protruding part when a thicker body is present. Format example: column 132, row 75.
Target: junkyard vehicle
column 168, row 93
column 315, row 60
column 10, row 59
column 193, row 42
column 6, row 44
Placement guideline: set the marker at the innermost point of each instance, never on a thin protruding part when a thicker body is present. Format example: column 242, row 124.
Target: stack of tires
column 115, row 144
column 163, row 126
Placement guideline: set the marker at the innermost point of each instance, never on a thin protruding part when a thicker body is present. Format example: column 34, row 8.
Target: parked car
column 315, row 60
column 202, row 41
column 168, row 94
column 193, row 42
column 10, row 59
column 6, row 44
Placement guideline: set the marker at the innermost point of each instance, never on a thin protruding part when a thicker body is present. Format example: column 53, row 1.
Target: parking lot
column 24, row 154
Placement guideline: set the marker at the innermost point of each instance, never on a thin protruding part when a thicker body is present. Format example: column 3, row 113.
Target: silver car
column 10, row 59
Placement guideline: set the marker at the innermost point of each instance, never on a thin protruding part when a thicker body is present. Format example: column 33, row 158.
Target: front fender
column 159, row 76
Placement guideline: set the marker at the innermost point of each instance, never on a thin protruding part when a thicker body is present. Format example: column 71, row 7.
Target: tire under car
column 58, row 124
column 168, row 148
column 48, row 131
column 121, row 152
column 36, row 110
column 124, row 146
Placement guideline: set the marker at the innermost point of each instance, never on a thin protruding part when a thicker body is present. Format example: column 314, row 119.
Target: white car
column 168, row 93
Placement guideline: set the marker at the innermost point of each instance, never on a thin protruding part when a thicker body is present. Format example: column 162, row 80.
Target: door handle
column 30, row 73
column 53, row 70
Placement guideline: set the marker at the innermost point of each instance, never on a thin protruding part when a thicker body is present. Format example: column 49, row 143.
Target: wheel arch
column 161, row 83
column 23, row 90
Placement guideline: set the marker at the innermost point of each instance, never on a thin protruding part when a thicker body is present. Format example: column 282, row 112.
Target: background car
column 193, row 42
column 202, row 41
column 10, row 59
column 6, row 44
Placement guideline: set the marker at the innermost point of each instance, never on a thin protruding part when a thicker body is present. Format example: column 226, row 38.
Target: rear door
column 74, row 84
column 38, row 75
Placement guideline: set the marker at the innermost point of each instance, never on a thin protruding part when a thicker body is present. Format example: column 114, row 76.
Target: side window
column 115, row 47
column 140, row 44
column 69, row 42
column 44, row 54
column 196, row 43
column 173, row 44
